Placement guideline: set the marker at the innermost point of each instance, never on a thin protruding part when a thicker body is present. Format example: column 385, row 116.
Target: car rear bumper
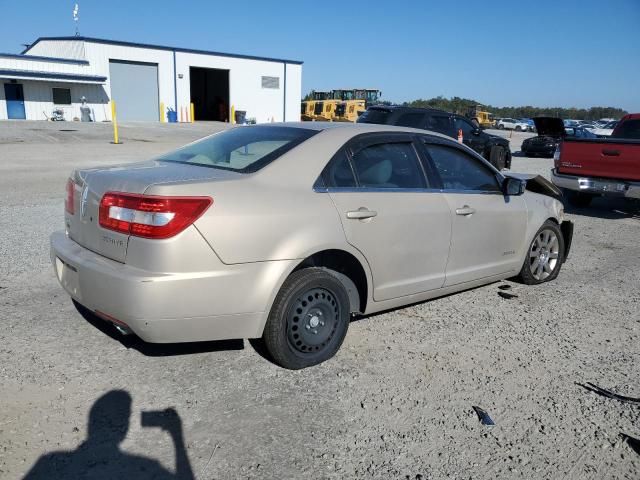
column 231, row 302
column 596, row 186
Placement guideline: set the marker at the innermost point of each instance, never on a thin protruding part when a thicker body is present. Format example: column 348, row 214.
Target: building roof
column 163, row 47
column 36, row 58
column 65, row 77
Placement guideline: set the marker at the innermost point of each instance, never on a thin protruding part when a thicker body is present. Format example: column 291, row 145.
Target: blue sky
column 535, row 52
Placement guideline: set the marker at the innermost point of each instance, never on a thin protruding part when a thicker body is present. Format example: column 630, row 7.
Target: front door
column 15, row 101
column 488, row 228
column 390, row 215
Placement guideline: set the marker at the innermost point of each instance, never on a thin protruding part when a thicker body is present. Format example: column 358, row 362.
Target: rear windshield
column 375, row 115
column 628, row 129
column 241, row 149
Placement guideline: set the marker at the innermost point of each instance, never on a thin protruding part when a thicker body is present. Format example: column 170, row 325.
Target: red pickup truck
column 586, row 168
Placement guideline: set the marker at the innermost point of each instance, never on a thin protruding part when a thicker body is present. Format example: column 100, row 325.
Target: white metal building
column 57, row 72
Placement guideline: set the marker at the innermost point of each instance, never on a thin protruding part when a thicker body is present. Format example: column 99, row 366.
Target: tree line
column 461, row 105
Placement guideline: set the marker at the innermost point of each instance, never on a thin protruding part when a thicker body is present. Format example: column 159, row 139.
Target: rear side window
column 413, row 120
column 628, row 129
column 459, row 171
column 389, row 165
column 338, row 173
column 375, row 115
column 241, row 149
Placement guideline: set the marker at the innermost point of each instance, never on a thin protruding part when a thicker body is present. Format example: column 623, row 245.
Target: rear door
column 488, row 229
column 390, row 213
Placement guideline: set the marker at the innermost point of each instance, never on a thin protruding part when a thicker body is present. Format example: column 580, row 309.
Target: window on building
column 271, row 82
column 61, row 96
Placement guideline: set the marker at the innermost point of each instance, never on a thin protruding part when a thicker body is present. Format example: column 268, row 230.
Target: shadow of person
column 100, row 457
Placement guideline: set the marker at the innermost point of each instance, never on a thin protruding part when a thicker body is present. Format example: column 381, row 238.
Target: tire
column 518, row 128
column 500, row 126
column 578, row 199
column 544, row 256
column 498, row 157
column 308, row 320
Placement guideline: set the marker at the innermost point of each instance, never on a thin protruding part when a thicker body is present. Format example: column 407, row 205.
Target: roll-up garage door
column 134, row 88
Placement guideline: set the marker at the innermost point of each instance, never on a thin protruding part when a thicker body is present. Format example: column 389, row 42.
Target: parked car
column 530, row 124
column 493, row 148
column 605, row 130
column 587, row 168
column 512, row 124
column 284, row 231
column 551, row 131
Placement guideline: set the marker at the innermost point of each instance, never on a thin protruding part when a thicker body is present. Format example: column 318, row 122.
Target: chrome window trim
column 318, row 189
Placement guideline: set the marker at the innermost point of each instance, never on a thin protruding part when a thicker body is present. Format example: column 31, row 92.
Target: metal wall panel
column 134, row 88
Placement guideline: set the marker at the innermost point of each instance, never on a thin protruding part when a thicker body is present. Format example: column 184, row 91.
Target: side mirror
column 513, row 186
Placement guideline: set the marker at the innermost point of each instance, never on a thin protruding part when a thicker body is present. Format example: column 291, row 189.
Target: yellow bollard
column 114, row 120
column 233, row 114
column 193, row 117
column 162, row 119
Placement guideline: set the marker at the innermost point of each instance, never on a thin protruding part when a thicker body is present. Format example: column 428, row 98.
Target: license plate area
column 68, row 278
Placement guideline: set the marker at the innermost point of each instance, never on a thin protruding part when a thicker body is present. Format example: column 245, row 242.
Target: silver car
column 284, row 231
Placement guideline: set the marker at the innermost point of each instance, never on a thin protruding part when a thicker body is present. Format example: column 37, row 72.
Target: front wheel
column 498, row 157
column 308, row 320
column 518, row 128
column 544, row 256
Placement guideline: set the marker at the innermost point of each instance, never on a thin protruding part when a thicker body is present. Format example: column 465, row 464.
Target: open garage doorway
column 210, row 93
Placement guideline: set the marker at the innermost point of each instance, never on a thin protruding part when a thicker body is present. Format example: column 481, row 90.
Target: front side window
column 438, row 123
column 389, row 165
column 467, row 128
column 61, row 96
column 241, row 149
column 459, row 171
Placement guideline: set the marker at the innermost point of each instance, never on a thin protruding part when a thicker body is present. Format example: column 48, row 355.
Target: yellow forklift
column 479, row 117
column 314, row 109
column 354, row 102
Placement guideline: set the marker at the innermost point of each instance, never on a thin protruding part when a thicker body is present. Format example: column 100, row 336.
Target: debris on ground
column 483, row 416
column 507, row 295
column 608, row 393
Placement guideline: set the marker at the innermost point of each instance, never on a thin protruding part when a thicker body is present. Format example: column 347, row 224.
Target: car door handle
column 466, row 210
column 611, row 153
column 361, row 214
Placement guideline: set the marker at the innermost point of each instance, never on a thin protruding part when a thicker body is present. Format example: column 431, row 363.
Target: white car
column 605, row 130
column 512, row 124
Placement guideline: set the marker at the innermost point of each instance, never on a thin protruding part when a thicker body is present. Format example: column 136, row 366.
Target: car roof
column 355, row 128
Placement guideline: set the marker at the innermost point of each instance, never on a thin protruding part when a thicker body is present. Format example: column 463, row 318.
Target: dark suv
column 492, row 147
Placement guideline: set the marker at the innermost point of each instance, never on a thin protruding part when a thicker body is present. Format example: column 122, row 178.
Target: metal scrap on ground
column 609, row 394
column 483, row 416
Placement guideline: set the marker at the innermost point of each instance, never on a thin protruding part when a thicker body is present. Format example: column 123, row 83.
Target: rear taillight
column 70, row 198
column 556, row 155
column 150, row 216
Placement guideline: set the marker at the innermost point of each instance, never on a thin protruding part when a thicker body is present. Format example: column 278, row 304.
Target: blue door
column 15, row 101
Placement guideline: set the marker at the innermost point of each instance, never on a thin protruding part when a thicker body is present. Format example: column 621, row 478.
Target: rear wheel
column 309, row 319
column 518, row 128
column 500, row 126
column 544, row 256
column 498, row 157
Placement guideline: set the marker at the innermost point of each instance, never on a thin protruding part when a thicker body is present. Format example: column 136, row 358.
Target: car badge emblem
column 83, row 201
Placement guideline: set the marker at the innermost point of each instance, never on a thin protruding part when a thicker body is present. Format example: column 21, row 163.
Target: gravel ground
column 396, row 402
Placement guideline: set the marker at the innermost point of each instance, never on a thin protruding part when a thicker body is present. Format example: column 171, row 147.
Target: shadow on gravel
column 608, row 209
column 100, row 457
column 157, row 349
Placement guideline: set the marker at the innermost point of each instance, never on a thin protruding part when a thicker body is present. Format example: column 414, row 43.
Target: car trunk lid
column 549, row 126
column 90, row 185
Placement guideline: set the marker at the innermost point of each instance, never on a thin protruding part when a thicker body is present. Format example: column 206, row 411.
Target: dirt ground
column 396, row 401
